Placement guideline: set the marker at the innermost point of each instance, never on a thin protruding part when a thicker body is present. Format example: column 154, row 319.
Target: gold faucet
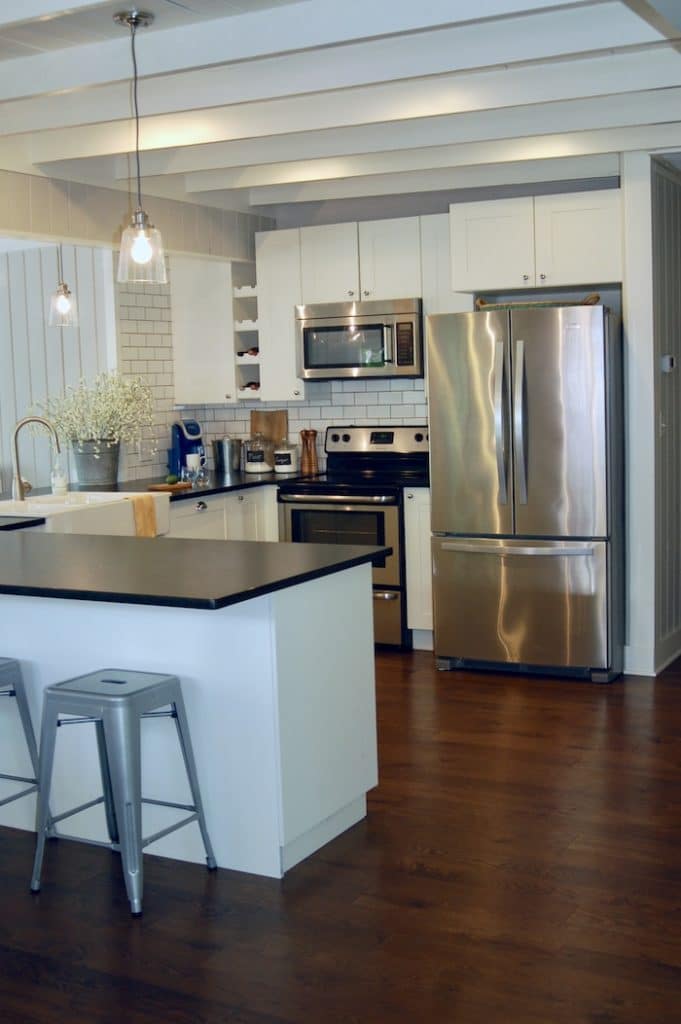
column 19, row 485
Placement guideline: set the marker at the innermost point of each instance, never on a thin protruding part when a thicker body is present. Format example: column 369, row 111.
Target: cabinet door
column 198, row 518
column 418, row 558
column 390, row 258
column 203, row 339
column 578, row 238
column 243, row 515
column 329, row 263
column 492, row 245
column 436, row 269
column 277, row 259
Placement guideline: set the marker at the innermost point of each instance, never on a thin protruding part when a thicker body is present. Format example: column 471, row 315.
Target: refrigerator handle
column 578, row 551
column 519, row 440
column 499, row 421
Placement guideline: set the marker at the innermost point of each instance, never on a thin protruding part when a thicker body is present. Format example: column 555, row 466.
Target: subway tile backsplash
column 144, row 317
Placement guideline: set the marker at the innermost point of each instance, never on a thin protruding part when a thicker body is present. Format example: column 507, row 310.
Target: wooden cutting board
column 179, row 486
column 271, row 423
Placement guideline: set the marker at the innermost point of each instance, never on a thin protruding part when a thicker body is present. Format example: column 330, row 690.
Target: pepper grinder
column 308, row 458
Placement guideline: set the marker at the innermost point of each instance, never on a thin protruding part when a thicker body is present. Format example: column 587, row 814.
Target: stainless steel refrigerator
column 526, row 442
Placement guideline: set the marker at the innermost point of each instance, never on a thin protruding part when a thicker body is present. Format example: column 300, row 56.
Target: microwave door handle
column 387, row 343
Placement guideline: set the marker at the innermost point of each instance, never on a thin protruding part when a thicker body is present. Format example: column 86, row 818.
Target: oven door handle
column 338, row 499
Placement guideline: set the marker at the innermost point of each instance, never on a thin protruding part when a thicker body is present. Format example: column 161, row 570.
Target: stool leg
column 122, row 737
column 27, row 724
column 48, row 739
column 188, row 755
column 111, row 823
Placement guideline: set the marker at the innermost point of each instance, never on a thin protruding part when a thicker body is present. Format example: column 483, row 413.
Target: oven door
column 334, row 522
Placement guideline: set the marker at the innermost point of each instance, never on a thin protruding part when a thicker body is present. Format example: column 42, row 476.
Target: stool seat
column 115, row 701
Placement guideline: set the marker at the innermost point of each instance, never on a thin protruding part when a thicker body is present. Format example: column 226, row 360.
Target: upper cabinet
column 203, row 337
column 277, row 257
column 371, row 260
column 545, row 241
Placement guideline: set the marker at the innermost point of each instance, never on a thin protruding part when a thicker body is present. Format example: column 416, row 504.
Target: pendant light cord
column 60, row 266
column 133, row 30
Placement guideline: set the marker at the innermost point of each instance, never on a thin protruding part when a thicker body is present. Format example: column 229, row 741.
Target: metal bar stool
column 12, row 685
column 116, row 700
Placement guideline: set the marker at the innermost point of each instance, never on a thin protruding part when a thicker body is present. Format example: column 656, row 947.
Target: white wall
column 38, row 361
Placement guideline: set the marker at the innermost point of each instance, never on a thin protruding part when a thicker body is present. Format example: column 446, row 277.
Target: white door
column 492, row 245
column 578, row 238
column 390, row 258
column 203, row 336
column 277, row 257
column 418, row 558
column 329, row 263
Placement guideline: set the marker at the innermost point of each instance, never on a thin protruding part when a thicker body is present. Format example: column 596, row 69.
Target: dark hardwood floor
column 521, row 863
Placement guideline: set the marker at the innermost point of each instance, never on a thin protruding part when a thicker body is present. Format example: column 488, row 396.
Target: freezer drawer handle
column 385, row 595
column 499, row 421
column 506, row 549
column 519, row 439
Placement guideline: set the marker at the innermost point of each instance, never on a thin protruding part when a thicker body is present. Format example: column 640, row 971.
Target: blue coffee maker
column 185, row 437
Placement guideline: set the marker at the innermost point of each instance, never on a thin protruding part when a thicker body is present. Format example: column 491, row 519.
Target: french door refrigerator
column 526, row 445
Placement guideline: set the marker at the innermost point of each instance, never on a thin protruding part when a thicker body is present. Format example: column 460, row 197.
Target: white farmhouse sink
column 102, row 512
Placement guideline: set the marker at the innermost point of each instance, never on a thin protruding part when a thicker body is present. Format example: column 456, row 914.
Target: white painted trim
column 302, row 846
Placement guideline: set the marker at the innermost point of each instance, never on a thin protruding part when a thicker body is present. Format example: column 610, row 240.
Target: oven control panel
column 377, row 439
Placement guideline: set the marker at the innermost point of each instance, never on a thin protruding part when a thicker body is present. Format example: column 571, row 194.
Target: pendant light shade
column 63, row 305
column 141, row 260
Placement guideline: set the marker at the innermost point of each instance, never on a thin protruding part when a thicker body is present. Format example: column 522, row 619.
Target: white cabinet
column 418, row 558
column 248, row 514
column 545, row 241
column 198, row 518
column 277, row 255
column 370, row 260
column 203, row 346
column 245, row 327
column 436, row 269
column 329, row 263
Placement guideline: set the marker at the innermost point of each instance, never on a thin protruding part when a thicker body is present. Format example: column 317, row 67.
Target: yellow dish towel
column 144, row 508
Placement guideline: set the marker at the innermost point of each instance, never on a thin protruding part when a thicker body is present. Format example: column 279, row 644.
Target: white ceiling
column 265, row 104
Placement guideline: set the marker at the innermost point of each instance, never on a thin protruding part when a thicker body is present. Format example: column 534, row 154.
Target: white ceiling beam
column 247, row 36
column 599, row 112
column 501, row 151
column 664, row 15
column 526, row 39
column 396, row 101
column 28, row 9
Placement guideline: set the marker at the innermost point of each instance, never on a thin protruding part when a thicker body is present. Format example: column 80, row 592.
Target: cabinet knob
column 228, row 396
column 543, row 277
column 367, row 293
column 526, row 277
column 410, row 495
column 200, row 506
column 296, row 392
column 351, row 293
column 240, row 497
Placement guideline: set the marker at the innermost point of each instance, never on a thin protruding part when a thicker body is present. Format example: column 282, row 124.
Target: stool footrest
column 15, row 796
column 171, row 828
column 77, row 810
column 17, row 778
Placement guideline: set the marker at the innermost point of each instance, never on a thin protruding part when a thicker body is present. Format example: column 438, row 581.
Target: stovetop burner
column 369, row 460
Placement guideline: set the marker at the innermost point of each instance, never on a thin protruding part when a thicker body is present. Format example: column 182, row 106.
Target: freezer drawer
column 527, row 602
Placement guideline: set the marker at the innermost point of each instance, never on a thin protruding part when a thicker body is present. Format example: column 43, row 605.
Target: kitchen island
column 273, row 644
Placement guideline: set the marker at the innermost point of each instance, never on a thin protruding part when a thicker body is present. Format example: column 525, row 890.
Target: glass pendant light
column 141, row 259
column 63, row 305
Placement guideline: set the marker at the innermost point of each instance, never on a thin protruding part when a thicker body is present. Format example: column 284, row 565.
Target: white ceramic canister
column 286, row 457
column 255, row 459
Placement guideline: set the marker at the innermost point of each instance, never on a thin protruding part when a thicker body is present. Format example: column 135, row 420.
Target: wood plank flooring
column 521, row 863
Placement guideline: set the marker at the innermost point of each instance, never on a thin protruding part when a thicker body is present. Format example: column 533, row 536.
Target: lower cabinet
column 418, row 558
column 250, row 514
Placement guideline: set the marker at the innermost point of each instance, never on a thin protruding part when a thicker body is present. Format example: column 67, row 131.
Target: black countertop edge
column 203, row 604
column 20, row 522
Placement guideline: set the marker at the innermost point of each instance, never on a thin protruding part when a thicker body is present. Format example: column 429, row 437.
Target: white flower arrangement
column 108, row 410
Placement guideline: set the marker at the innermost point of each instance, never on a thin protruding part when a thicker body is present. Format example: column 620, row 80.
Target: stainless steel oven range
column 359, row 501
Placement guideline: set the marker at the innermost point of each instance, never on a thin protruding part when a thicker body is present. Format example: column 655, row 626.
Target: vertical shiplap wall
column 666, row 202
column 37, row 361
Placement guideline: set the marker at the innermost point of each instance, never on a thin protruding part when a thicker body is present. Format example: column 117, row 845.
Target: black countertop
column 164, row 571
column 19, row 522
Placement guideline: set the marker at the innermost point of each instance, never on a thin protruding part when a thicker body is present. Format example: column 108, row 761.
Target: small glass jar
column 255, row 455
column 285, row 457
column 59, row 477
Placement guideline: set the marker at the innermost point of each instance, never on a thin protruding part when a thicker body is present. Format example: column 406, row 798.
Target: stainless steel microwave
column 360, row 339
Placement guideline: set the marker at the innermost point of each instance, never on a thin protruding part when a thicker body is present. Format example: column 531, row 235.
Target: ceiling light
column 63, row 306
column 141, row 258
